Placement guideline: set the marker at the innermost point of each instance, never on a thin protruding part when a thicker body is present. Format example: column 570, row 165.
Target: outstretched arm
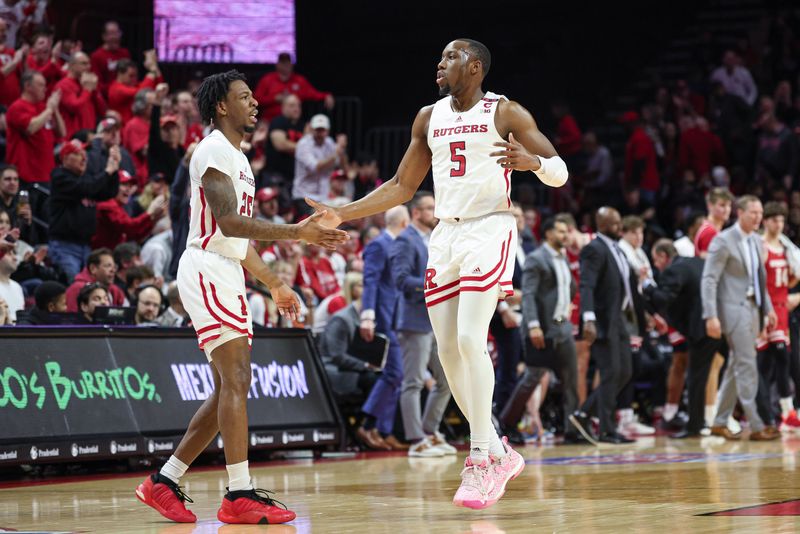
column 412, row 170
column 222, row 200
column 527, row 148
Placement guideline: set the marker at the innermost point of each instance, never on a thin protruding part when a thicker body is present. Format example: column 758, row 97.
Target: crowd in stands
column 94, row 213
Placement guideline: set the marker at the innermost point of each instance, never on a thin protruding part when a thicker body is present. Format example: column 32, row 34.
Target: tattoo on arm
column 220, row 194
column 221, row 198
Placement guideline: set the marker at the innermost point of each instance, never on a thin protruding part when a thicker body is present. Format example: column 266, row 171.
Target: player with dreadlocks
column 212, row 288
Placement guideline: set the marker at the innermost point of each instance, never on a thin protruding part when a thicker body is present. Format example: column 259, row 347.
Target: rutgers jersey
column 215, row 151
column 467, row 182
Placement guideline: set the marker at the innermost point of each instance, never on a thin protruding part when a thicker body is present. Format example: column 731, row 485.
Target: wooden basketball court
column 666, row 486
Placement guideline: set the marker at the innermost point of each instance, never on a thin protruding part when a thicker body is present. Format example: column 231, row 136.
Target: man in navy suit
column 409, row 259
column 378, row 314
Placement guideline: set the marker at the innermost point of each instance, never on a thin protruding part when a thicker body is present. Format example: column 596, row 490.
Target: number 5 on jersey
column 459, row 159
column 247, row 205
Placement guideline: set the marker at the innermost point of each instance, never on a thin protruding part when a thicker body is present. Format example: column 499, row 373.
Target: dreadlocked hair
column 212, row 91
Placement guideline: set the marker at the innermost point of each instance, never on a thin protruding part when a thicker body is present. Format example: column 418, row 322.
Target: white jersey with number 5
column 215, row 151
column 467, row 182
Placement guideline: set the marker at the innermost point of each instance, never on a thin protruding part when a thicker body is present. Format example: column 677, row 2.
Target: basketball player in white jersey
column 211, row 284
column 473, row 139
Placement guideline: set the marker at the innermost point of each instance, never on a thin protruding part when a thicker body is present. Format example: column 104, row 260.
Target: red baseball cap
column 125, row 177
column 338, row 174
column 168, row 119
column 266, row 193
column 71, row 147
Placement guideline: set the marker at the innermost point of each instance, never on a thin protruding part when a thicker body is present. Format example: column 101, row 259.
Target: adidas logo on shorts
column 477, row 270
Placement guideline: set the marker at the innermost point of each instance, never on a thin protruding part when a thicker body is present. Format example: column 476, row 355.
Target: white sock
column 496, row 447
column 625, row 416
column 710, row 414
column 239, row 476
column 669, row 411
column 787, row 405
column 479, row 449
column 174, row 469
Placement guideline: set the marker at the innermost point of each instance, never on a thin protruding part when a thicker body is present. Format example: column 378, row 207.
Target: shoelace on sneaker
column 176, row 489
column 263, row 496
column 472, row 476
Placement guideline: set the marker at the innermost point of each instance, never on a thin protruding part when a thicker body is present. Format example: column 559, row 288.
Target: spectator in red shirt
column 122, row 91
column 105, row 58
column 568, row 134
column 718, row 204
column 136, row 134
column 81, row 101
column 273, row 87
column 11, row 67
column 316, row 271
column 100, row 267
column 191, row 128
column 115, row 226
column 699, row 149
column 44, row 57
column 33, row 127
column 641, row 170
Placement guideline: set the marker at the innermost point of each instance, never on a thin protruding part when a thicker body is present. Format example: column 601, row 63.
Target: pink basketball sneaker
column 503, row 470
column 477, row 482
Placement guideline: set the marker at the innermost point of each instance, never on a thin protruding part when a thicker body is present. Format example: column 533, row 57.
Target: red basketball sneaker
column 166, row 497
column 790, row 423
column 253, row 507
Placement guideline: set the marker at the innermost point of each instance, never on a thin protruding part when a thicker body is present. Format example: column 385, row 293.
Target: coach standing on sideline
column 736, row 304
column 547, row 291
column 607, row 295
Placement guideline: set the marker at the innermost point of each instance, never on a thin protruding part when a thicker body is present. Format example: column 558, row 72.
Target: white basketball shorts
column 471, row 255
column 212, row 290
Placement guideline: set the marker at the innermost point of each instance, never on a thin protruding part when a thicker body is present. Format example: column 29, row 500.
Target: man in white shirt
column 11, row 291
column 735, row 78
column 315, row 156
column 685, row 244
column 631, row 245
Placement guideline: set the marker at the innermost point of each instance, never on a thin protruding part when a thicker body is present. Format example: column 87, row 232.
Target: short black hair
column 213, row 90
column 480, row 52
column 125, row 252
column 48, row 292
column 97, row 254
column 86, row 292
column 550, row 224
column 138, row 272
column 124, row 64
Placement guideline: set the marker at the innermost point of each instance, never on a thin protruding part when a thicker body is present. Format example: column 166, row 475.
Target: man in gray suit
column 547, row 291
column 736, row 304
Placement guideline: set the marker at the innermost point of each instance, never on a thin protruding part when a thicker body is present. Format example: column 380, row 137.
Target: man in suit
column 408, row 257
column 677, row 298
column 378, row 314
column 736, row 304
column 505, row 328
column 608, row 290
column 547, row 291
